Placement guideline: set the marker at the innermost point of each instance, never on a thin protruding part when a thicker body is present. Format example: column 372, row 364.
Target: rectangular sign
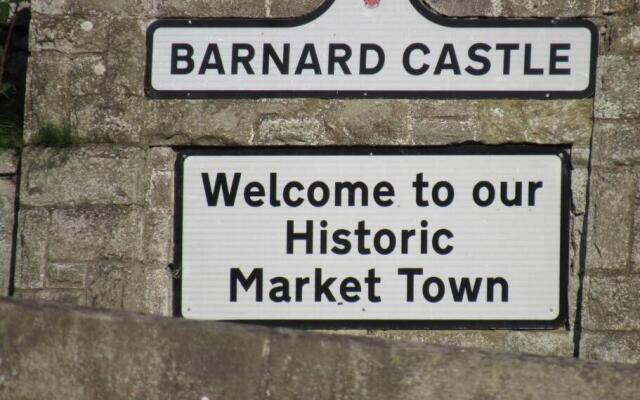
column 347, row 49
column 468, row 237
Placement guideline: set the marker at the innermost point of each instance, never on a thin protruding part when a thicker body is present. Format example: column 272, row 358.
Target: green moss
column 10, row 134
column 50, row 135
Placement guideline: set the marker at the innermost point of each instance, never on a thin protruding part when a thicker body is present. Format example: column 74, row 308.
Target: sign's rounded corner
column 153, row 26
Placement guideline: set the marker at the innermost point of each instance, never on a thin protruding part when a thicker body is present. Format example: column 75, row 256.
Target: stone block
column 162, row 159
column 48, row 92
column 124, row 59
column 438, row 131
column 612, row 303
column 69, row 34
column 610, row 231
column 616, row 97
column 8, row 161
column 546, row 8
column 159, row 218
column 106, row 119
column 368, row 122
column 87, row 78
column 90, row 7
column 621, row 347
column 478, row 8
column 616, row 142
column 550, row 343
column 624, row 34
column 579, row 181
column 580, row 156
column 7, row 217
column 66, row 275
column 110, row 232
column 158, row 291
column 94, row 93
column 215, row 122
column 635, row 247
column 209, row 8
column 501, row 121
column 75, row 297
column 105, row 285
column 616, row 6
column 291, row 8
column 31, row 248
column 309, row 373
column 98, row 175
column 279, row 131
column 531, row 121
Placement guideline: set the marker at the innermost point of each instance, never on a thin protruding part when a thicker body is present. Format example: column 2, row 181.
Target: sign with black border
column 208, row 232
column 345, row 50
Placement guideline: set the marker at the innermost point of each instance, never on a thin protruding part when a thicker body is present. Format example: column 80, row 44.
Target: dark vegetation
column 14, row 52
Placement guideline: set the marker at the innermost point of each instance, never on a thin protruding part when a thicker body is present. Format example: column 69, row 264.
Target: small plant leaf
column 5, row 10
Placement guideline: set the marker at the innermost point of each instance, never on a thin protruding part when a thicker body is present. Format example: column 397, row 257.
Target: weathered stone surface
column 31, row 248
column 501, row 121
column 612, row 303
column 105, row 285
column 90, row 7
column 303, row 131
column 579, row 180
column 371, row 122
column 66, row 275
column 111, row 232
column 616, row 6
column 162, row 159
column 110, row 175
column 69, row 34
column 8, row 161
column 159, row 218
column 616, row 142
column 216, row 122
column 625, row 35
column 7, row 216
column 556, row 343
column 611, row 346
column 465, row 8
column 612, row 208
column 124, row 61
column 616, row 97
column 209, row 8
column 536, row 121
column 95, row 94
column 635, row 247
column 291, row 8
column 459, row 8
column 48, row 92
column 74, row 297
column 158, row 291
column 108, row 119
column 547, row 8
column 146, row 357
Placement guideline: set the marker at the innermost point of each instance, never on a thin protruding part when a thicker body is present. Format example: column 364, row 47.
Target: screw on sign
column 372, row 3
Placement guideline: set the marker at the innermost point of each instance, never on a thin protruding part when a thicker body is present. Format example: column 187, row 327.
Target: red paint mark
column 372, row 3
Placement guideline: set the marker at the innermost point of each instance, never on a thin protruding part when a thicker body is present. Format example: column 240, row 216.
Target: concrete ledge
column 57, row 352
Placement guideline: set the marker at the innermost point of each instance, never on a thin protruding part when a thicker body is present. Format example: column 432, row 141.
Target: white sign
column 466, row 238
column 346, row 49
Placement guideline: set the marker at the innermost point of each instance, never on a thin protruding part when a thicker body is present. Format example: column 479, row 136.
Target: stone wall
column 88, row 354
column 8, row 177
column 95, row 219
